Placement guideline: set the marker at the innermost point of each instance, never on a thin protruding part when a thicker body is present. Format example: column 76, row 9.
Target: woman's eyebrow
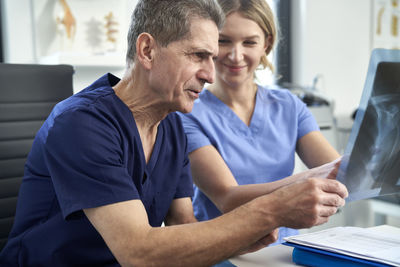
column 256, row 36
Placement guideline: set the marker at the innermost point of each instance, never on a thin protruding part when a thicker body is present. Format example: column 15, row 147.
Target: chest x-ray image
column 371, row 164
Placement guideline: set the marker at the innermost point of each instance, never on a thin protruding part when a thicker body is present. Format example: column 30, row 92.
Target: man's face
column 182, row 68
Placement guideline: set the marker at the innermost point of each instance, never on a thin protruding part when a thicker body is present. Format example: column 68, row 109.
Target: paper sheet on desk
column 371, row 165
column 365, row 243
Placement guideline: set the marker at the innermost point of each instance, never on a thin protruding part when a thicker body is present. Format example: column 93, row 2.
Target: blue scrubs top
column 259, row 153
column 89, row 154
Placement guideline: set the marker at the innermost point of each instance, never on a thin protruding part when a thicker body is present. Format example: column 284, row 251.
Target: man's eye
column 201, row 55
column 223, row 41
column 250, row 42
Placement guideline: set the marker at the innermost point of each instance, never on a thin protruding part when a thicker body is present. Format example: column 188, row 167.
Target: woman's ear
column 268, row 42
column 145, row 49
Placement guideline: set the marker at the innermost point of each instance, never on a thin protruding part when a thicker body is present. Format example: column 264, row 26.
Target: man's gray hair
column 169, row 20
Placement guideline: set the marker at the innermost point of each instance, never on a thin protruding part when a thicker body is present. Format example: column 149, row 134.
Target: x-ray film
column 371, row 163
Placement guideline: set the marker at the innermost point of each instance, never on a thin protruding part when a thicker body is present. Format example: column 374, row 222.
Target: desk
column 276, row 256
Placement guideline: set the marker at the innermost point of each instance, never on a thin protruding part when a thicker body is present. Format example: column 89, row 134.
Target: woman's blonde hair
column 260, row 12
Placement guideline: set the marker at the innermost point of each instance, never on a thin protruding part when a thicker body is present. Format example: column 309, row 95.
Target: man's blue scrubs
column 88, row 154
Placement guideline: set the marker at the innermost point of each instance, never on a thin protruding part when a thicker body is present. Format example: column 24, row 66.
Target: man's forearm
column 134, row 242
column 206, row 243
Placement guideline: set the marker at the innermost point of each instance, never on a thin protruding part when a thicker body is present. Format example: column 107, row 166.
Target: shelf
column 112, row 59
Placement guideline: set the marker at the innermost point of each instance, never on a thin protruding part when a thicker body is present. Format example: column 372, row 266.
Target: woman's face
column 242, row 43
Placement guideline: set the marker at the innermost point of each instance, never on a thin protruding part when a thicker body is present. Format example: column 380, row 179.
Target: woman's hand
column 328, row 170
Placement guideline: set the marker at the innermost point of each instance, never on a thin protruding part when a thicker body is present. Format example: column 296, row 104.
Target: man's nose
column 207, row 72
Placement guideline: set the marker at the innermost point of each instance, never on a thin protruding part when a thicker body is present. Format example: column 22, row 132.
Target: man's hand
column 262, row 243
column 308, row 202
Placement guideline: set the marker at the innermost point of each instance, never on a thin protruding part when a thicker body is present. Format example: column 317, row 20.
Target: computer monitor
column 371, row 163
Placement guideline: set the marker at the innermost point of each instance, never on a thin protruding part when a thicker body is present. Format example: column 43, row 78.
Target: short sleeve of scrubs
column 306, row 121
column 84, row 158
column 196, row 135
column 185, row 185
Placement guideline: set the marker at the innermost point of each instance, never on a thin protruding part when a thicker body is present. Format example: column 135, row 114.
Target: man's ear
column 145, row 49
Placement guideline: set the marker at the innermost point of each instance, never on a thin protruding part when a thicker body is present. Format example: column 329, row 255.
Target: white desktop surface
column 276, row 256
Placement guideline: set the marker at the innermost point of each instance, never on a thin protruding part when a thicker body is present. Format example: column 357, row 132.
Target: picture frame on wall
column 80, row 32
column 385, row 24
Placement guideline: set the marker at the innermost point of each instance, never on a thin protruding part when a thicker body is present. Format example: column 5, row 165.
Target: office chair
column 27, row 95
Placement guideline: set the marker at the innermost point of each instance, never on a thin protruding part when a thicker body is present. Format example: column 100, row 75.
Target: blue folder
column 314, row 257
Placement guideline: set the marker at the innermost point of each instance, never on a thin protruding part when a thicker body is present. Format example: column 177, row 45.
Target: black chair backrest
column 28, row 93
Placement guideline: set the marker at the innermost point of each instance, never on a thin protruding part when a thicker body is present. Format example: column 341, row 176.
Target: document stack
column 347, row 246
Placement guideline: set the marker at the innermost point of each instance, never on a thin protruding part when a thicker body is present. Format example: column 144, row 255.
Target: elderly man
column 110, row 164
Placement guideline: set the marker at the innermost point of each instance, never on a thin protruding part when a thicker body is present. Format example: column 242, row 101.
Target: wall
column 332, row 38
column 17, row 31
column 19, row 39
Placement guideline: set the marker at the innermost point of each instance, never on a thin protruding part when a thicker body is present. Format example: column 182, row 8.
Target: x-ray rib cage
column 371, row 164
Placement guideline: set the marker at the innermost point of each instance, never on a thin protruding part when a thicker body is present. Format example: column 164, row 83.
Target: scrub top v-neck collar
column 149, row 166
column 237, row 124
